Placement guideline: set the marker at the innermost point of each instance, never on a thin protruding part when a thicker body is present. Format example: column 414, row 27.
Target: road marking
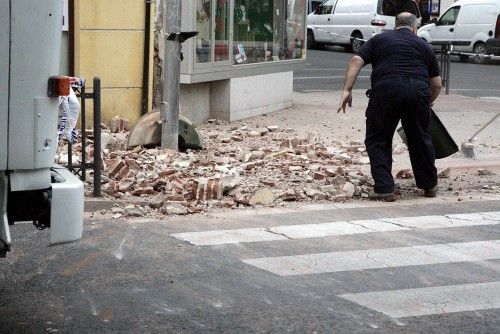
column 330, row 77
column 379, row 258
column 431, row 300
column 448, row 221
column 334, row 229
column 308, row 91
column 493, row 216
column 332, row 69
column 475, row 89
column 228, row 236
column 494, row 98
column 339, row 228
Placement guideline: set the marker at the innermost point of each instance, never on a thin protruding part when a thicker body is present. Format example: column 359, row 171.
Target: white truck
column 31, row 187
column 350, row 23
column 468, row 23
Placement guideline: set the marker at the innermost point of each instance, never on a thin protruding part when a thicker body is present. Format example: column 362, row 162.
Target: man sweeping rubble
column 405, row 81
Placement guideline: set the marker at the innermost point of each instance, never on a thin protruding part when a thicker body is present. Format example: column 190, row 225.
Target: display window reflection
column 249, row 31
column 204, row 28
column 222, row 30
column 268, row 30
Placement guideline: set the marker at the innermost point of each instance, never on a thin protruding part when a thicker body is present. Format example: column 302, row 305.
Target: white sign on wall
column 435, row 4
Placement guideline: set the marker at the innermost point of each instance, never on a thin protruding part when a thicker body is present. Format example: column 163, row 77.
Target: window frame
column 321, row 6
column 213, row 62
column 193, row 72
column 439, row 22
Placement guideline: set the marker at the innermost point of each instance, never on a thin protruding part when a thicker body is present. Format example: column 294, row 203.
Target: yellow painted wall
column 109, row 43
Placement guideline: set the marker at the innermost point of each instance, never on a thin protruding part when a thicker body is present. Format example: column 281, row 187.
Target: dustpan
column 443, row 143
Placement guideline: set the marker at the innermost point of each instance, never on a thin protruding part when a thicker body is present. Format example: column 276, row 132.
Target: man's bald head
column 406, row 20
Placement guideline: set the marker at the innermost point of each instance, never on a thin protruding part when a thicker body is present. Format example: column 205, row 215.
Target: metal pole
column 83, row 134
column 97, row 137
column 70, row 157
column 145, row 65
column 171, row 77
column 442, row 64
column 448, row 64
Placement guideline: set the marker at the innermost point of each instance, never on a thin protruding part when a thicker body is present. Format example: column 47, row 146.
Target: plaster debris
column 244, row 164
column 485, row 172
column 404, row 174
column 445, row 173
column 262, row 196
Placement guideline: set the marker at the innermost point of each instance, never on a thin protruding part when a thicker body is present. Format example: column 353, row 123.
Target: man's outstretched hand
column 346, row 100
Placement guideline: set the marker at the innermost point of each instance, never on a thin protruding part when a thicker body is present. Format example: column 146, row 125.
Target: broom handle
column 484, row 126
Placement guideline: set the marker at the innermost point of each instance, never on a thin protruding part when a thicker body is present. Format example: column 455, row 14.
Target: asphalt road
column 377, row 275
column 325, row 71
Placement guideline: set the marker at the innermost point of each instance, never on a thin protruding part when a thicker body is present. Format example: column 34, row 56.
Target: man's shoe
column 431, row 192
column 389, row 197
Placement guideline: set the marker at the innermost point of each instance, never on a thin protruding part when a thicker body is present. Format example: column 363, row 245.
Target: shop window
column 204, row 28
column 394, row 7
column 212, row 13
column 295, row 29
column 221, row 30
column 268, row 30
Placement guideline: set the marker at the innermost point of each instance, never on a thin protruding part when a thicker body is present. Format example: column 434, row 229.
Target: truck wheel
column 356, row 41
column 311, row 43
column 480, row 49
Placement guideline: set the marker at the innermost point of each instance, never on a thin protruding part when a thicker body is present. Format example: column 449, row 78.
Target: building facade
column 240, row 64
column 112, row 39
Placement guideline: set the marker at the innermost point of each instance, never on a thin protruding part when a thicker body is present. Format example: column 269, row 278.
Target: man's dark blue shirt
column 399, row 54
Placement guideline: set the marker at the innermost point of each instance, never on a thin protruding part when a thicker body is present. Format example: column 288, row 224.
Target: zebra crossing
column 431, row 300
column 398, row 303
column 338, row 228
column 379, row 258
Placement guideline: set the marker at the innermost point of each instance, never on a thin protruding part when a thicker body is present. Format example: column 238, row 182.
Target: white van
column 470, row 22
column 349, row 23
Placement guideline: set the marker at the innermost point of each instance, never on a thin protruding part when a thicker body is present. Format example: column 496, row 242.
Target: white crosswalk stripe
column 398, row 303
column 228, row 236
column 304, row 231
column 431, row 300
column 379, row 258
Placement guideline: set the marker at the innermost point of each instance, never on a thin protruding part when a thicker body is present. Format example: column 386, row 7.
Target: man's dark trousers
column 392, row 100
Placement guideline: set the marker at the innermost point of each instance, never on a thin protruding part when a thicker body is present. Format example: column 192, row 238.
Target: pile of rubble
column 240, row 166
column 245, row 164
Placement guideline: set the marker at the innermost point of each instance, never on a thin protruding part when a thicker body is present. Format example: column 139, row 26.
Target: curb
column 97, row 204
column 93, row 205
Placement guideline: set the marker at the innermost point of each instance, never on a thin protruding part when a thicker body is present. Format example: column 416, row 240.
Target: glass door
column 204, row 15
column 213, row 26
column 221, row 31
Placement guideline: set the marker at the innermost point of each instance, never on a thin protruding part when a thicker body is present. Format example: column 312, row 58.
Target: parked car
column 493, row 44
column 469, row 23
column 349, row 23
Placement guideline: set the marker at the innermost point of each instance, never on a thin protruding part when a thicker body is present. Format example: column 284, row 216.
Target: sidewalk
column 461, row 115
column 307, row 154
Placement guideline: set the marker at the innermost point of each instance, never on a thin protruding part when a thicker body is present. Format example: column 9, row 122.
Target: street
column 352, row 268
column 182, row 167
column 325, row 71
column 305, row 266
